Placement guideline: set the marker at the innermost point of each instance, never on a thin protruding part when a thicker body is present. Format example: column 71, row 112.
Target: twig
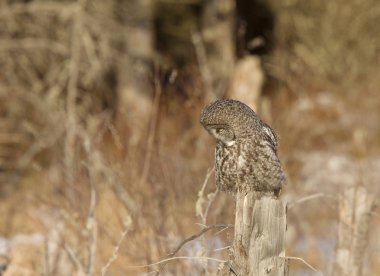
column 73, row 257
column 211, row 197
column 306, row 263
column 152, row 130
column 310, row 197
column 204, row 213
column 122, row 194
column 178, row 258
column 223, row 248
column 224, row 229
column 72, row 91
column 115, row 252
column 118, row 188
column 191, row 238
column 89, row 49
column 199, row 203
column 115, row 136
column 205, row 182
column 92, row 226
column 46, row 263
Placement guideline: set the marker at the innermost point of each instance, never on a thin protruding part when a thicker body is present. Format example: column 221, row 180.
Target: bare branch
column 73, row 257
column 306, row 263
column 178, row 258
column 115, row 250
column 91, row 225
column 211, row 197
column 310, row 197
column 193, row 237
column 223, row 248
column 152, row 130
column 200, row 201
column 71, row 110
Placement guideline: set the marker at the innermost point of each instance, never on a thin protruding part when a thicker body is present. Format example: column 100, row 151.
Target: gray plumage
column 246, row 148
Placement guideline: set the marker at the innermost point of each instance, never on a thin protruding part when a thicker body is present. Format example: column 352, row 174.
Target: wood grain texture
column 259, row 240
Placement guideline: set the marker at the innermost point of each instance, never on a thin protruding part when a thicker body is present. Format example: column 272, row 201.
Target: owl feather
column 246, row 148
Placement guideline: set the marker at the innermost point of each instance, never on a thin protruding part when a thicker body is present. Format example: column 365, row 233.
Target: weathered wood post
column 259, row 239
column 355, row 206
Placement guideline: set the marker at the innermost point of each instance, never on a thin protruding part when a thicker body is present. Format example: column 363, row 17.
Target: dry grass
column 335, row 42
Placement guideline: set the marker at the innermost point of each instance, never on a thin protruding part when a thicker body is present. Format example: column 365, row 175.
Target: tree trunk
column 247, row 82
column 135, row 73
column 218, row 35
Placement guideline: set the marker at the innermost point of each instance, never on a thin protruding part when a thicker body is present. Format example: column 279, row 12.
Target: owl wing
column 270, row 137
column 275, row 175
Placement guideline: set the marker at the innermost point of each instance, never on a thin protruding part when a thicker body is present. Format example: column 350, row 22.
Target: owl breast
column 232, row 166
column 247, row 165
column 225, row 167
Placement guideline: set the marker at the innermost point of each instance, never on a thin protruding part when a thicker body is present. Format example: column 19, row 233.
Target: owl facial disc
column 222, row 133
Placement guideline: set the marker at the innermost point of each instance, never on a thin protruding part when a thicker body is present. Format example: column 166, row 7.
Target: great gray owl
column 246, row 148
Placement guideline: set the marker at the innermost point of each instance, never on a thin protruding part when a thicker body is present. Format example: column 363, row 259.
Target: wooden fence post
column 259, row 239
column 355, row 206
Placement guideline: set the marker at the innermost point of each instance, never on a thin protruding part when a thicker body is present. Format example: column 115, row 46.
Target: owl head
column 229, row 120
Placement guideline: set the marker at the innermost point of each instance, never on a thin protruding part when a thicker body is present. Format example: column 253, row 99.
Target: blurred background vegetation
column 102, row 157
